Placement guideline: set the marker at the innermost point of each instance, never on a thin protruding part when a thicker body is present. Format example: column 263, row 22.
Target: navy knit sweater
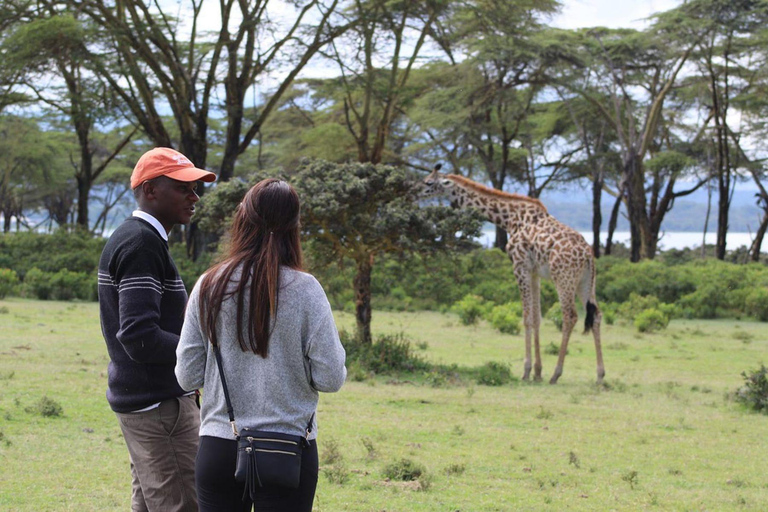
column 142, row 300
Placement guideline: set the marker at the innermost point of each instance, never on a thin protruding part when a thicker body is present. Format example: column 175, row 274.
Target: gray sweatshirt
column 279, row 393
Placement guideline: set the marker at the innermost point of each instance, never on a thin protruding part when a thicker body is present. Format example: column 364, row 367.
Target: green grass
column 659, row 436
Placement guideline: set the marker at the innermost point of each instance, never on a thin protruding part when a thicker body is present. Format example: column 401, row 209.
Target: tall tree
column 376, row 60
column 627, row 75
column 55, row 43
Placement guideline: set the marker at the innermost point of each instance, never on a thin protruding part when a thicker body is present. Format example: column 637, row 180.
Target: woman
column 279, row 347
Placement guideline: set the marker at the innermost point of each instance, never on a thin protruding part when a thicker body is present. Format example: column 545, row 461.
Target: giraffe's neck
column 500, row 208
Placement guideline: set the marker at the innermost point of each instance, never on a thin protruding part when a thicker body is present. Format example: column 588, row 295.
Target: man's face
column 172, row 201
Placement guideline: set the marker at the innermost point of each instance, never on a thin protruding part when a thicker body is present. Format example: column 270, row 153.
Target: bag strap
column 230, row 410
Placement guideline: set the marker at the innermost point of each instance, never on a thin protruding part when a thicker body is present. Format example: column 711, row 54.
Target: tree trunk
column 638, row 222
column 723, row 205
column 83, row 193
column 362, row 285
column 597, row 216
column 501, row 239
column 612, row 222
column 754, row 251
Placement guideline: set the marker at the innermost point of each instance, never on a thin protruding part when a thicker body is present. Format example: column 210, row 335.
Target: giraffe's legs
column 598, row 346
column 536, row 324
column 568, row 307
column 524, row 283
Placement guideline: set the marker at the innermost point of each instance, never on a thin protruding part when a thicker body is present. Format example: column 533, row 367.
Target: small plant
column 422, row 345
column 336, row 473
column 458, row 430
column 4, row 310
column 9, row 279
column 469, row 309
column 331, row 453
column 46, row 407
column 743, row 336
column 552, row 349
column 651, row 320
column 754, row 392
column 369, row 448
column 455, row 469
column 631, row 478
column 404, row 470
column 506, row 318
column 573, row 460
column 544, row 414
column 7, row 376
column 555, row 315
column 494, row 373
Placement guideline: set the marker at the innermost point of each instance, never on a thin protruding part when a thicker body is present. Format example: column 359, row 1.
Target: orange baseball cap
column 167, row 162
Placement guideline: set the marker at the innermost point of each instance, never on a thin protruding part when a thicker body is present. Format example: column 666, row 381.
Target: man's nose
column 193, row 196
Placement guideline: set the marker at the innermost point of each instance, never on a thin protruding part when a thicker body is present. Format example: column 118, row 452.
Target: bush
column 67, row 285
column 636, row 304
column 404, row 470
column 387, row 354
column 9, row 279
column 470, row 309
column 651, row 320
column 754, row 392
column 555, row 314
column 756, row 304
column 506, row 318
column 494, row 373
column 37, row 284
column 46, row 407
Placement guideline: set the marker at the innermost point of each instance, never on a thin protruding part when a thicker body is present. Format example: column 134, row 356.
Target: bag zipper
column 252, row 439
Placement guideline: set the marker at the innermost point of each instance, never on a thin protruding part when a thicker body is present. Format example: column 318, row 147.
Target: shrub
column 651, row 320
column 38, row 284
column 404, row 470
column 470, row 309
column 494, row 373
column 68, row 285
column 636, row 304
column 506, row 318
column 387, row 354
column 9, row 279
column 46, row 407
column 756, row 304
column 754, row 392
column 555, row 314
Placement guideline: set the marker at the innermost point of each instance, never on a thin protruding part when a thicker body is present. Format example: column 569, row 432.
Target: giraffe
column 539, row 246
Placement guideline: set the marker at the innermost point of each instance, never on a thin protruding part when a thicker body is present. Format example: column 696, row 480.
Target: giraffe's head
column 435, row 184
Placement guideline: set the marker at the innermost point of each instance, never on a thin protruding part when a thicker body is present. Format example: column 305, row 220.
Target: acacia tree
column 155, row 60
column 729, row 60
column 54, row 43
column 376, row 59
column 361, row 211
column 627, row 75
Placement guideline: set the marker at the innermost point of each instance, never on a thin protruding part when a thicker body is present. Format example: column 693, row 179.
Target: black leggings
column 217, row 490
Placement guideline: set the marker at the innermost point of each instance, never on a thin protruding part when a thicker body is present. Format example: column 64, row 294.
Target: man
column 142, row 301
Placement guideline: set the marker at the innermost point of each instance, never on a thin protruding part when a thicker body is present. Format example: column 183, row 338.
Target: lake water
column 669, row 240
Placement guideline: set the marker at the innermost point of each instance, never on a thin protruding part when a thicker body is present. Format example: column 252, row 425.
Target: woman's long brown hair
column 264, row 235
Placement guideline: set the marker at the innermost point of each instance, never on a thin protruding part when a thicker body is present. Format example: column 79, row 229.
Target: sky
column 609, row 13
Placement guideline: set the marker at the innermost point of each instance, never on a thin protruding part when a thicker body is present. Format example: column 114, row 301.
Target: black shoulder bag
column 264, row 458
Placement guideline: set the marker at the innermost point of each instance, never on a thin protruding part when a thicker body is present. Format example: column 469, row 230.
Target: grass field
column 661, row 434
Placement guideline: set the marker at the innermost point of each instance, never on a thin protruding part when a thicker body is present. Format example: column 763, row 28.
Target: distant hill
column 574, row 208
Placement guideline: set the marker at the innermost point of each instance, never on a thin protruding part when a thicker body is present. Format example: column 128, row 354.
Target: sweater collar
column 153, row 222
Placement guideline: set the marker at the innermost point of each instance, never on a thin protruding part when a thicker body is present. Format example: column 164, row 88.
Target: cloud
column 610, row 13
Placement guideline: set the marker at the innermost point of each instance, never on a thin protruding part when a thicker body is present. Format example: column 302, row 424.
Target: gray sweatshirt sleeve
column 326, row 354
column 191, row 353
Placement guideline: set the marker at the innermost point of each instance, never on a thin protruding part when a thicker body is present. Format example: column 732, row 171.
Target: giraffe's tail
column 589, row 321
column 588, row 298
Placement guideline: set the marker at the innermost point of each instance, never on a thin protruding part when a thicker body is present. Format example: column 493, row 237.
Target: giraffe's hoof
column 537, row 378
column 553, row 380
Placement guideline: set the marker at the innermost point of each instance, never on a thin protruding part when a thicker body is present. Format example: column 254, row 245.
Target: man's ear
column 148, row 189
